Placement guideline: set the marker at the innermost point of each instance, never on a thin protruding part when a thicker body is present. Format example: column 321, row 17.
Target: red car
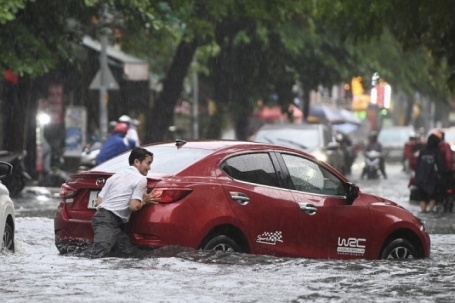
column 247, row 197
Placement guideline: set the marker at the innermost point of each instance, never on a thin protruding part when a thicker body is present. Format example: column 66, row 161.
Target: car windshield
column 306, row 139
column 167, row 160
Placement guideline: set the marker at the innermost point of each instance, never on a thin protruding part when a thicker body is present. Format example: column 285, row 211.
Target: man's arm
column 99, row 200
column 136, row 204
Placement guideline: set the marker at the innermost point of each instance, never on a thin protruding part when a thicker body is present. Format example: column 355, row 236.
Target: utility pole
column 104, row 80
column 104, row 96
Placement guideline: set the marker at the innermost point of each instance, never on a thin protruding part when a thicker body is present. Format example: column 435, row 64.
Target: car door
column 329, row 226
column 264, row 209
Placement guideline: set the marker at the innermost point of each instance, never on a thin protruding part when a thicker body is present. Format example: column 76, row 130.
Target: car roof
column 209, row 144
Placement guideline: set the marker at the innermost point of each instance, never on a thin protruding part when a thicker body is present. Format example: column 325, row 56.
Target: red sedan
column 251, row 198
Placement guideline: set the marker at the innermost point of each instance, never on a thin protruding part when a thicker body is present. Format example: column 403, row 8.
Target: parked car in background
column 393, row 139
column 7, row 217
column 316, row 139
column 247, row 197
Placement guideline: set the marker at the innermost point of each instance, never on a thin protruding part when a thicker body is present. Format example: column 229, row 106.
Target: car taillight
column 170, row 195
column 67, row 193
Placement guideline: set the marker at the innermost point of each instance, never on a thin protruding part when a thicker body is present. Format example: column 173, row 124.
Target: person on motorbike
column 347, row 147
column 115, row 144
column 375, row 145
column 132, row 131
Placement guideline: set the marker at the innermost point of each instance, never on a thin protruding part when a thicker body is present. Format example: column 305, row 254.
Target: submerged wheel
column 400, row 249
column 8, row 238
column 222, row 243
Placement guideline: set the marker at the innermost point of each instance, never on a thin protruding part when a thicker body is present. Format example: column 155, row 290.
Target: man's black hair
column 139, row 153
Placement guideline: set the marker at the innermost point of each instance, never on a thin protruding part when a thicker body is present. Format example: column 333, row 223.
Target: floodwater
column 37, row 273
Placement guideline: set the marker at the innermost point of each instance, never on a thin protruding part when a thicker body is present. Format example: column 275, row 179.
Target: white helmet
column 124, row 118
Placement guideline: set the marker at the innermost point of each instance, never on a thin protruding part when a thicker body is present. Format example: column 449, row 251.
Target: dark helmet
column 121, row 128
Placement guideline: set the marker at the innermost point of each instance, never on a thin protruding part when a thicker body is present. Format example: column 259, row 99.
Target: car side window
column 309, row 176
column 254, row 168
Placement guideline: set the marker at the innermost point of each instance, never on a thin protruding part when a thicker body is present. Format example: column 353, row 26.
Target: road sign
column 111, row 82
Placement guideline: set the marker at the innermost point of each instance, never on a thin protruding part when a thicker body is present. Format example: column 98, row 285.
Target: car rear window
column 167, row 160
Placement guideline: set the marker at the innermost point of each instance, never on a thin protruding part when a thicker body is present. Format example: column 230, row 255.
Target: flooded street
column 37, row 273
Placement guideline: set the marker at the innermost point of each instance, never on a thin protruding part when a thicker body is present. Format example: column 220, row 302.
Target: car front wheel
column 222, row 243
column 399, row 249
column 8, row 238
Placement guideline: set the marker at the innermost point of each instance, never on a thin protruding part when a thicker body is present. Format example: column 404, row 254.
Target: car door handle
column 240, row 198
column 308, row 208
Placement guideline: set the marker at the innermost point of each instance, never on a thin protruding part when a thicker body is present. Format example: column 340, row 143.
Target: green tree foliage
column 423, row 24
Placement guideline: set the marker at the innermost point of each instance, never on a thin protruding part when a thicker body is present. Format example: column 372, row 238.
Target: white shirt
column 120, row 189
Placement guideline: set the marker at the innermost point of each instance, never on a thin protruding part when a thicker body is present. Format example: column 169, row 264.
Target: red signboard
column 55, row 103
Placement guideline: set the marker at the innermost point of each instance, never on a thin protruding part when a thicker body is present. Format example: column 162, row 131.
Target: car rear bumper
column 69, row 232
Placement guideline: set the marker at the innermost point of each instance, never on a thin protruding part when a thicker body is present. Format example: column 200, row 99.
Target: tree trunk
column 15, row 111
column 161, row 116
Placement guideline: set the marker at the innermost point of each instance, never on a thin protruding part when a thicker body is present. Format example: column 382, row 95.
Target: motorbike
column 371, row 168
column 88, row 156
column 19, row 177
column 56, row 176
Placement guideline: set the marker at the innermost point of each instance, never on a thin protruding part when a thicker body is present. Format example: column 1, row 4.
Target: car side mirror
column 5, row 169
column 352, row 192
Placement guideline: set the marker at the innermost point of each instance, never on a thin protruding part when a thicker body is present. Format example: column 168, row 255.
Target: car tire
column 222, row 243
column 8, row 238
column 400, row 249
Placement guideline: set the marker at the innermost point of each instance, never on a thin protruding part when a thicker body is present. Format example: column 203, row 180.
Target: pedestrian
column 448, row 177
column 115, row 144
column 430, row 167
column 123, row 193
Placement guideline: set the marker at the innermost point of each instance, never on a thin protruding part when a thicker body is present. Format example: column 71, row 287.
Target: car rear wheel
column 8, row 238
column 399, row 249
column 222, row 243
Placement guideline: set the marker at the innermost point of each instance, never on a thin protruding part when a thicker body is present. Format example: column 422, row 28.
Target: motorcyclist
column 373, row 144
column 349, row 153
column 115, row 144
column 132, row 132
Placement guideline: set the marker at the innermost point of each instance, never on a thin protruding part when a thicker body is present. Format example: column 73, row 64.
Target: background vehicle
column 247, row 197
column 7, row 223
column 88, row 156
column 372, row 164
column 16, row 181
column 316, row 139
column 393, row 139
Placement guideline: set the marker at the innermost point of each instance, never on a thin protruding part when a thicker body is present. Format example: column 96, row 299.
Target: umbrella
column 326, row 114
